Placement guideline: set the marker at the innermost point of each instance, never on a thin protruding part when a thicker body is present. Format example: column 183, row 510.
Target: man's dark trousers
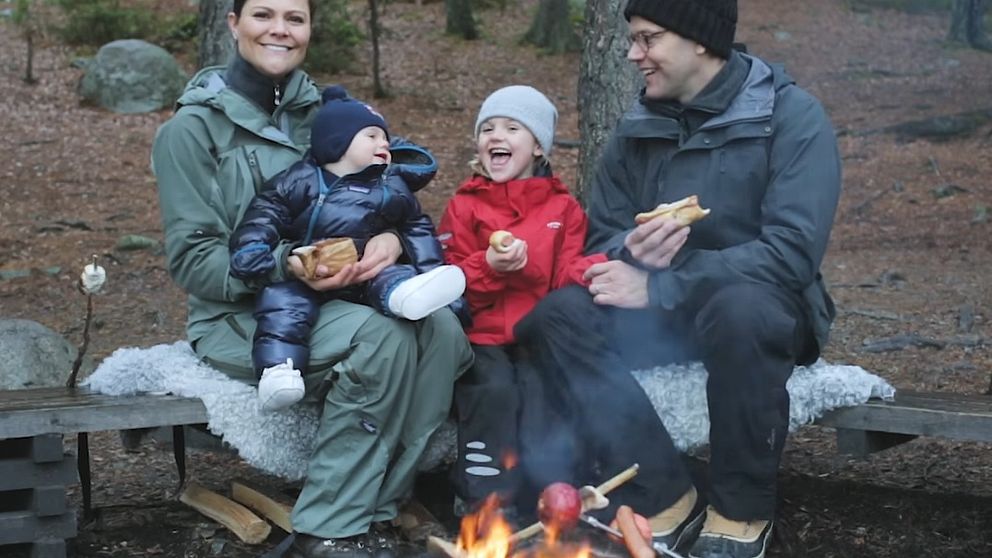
column 749, row 336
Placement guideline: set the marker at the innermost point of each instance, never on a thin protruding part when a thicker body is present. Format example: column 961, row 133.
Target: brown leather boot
column 726, row 538
column 678, row 526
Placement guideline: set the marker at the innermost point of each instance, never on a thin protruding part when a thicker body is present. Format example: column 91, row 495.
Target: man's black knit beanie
column 710, row 23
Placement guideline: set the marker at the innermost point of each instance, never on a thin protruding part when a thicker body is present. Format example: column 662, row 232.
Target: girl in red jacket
column 512, row 190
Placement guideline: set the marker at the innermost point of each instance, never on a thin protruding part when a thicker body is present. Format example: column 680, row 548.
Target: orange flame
column 509, row 459
column 486, row 534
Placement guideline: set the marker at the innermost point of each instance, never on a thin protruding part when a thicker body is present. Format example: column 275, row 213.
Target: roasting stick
column 660, row 548
column 440, row 547
column 606, row 487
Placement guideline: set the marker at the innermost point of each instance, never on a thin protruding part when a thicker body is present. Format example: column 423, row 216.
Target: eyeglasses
column 645, row 39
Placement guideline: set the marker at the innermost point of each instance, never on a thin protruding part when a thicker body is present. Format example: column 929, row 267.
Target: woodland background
column 908, row 264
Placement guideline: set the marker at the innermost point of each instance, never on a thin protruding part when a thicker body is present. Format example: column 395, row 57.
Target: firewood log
column 276, row 512
column 240, row 520
column 446, row 549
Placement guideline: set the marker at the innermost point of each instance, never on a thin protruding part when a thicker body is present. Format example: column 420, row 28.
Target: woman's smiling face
column 272, row 35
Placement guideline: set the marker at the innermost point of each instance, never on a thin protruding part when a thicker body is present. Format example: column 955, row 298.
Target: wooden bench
column 33, row 418
column 29, row 412
column 34, row 472
column 877, row 425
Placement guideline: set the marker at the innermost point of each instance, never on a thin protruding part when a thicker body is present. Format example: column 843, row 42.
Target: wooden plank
column 25, row 527
column 30, row 412
column 47, row 448
column 16, row 474
column 48, row 500
column 49, row 548
column 947, row 415
column 198, row 436
column 860, row 443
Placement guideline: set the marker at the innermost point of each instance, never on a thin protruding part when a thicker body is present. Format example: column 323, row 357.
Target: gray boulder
column 132, row 76
column 34, row 356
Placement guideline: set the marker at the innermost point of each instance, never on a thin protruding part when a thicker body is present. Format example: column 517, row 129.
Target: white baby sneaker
column 280, row 386
column 422, row 294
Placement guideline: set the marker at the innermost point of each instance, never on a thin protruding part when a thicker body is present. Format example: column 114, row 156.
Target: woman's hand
column 381, row 251
column 513, row 259
column 656, row 242
column 344, row 278
column 616, row 283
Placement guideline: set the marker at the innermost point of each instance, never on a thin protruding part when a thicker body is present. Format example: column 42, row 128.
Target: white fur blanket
column 280, row 443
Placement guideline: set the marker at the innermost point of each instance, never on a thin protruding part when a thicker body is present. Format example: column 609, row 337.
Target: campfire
column 487, row 534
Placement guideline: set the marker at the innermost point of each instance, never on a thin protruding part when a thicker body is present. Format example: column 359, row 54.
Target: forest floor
column 909, row 255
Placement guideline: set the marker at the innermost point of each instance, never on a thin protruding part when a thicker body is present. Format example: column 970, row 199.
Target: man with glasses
column 740, row 290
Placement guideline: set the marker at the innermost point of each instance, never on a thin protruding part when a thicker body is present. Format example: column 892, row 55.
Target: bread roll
column 502, row 241
column 686, row 211
column 333, row 253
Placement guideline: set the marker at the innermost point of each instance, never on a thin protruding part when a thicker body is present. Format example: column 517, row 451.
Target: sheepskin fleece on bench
column 280, row 443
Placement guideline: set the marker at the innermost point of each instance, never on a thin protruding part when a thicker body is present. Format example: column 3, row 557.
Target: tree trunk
column 968, row 23
column 959, row 21
column 552, row 28
column 378, row 90
column 461, row 21
column 28, row 24
column 216, row 42
column 29, row 63
column 608, row 83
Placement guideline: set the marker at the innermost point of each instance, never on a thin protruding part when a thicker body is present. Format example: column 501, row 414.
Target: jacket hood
column 208, row 89
column 414, row 164
column 523, row 192
column 480, row 184
column 207, row 85
column 755, row 100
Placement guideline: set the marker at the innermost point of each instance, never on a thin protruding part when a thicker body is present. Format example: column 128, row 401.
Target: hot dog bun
column 333, row 253
column 686, row 211
column 502, row 241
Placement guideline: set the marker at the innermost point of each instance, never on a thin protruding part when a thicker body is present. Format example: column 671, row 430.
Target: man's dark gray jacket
column 769, row 169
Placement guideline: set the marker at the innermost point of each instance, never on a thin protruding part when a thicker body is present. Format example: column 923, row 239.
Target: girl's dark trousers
column 504, row 430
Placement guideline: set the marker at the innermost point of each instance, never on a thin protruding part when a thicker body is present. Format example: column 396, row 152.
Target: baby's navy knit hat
column 337, row 122
column 527, row 106
column 711, row 23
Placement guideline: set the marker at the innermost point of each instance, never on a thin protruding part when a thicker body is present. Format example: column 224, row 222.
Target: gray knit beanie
column 527, row 106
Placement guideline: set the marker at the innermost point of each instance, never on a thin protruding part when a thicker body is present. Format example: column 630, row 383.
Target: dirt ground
column 909, row 254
